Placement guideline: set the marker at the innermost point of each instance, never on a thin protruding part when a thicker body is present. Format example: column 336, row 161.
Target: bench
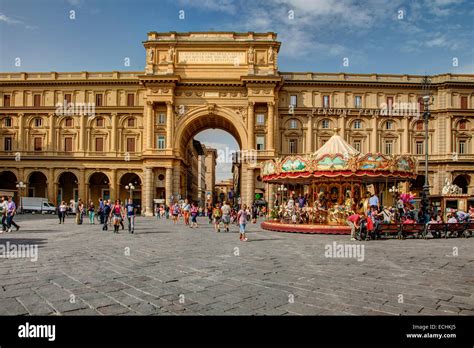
column 437, row 229
column 389, row 229
column 451, row 229
column 413, row 229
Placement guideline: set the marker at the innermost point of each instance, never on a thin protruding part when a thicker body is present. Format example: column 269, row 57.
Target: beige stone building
column 136, row 127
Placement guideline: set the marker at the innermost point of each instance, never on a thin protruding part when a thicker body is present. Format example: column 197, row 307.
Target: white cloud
column 9, row 20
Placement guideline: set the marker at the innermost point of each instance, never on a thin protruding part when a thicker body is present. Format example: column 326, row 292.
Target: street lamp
column 393, row 190
column 130, row 187
column 21, row 186
column 427, row 101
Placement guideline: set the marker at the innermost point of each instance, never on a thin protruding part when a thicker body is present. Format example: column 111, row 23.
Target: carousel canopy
column 338, row 160
column 336, row 144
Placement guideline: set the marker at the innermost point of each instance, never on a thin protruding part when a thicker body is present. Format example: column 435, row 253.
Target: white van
column 36, row 205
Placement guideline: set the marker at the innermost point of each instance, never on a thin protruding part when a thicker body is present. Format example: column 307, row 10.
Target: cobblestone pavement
column 173, row 270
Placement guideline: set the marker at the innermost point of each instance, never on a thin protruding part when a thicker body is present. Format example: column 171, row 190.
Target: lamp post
column 130, row 187
column 21, row 186
column 393, row 190
column 427, row 101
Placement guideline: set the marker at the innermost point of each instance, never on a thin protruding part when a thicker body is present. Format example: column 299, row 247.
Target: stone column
column 271, row 126
column 250, row 186
column 309, row 134
column 176, row 181
column 114, row 194
column 21, row 132
column 251, row 126
column 82, row 132
column 168, row 186
column 342, row 126
column 51, row 183
column 169, row 125
column 113, row 136
column 449, row 135
column 405, row 137
column 148, row 189
column 82, row 184
column 373, row 135
column 52, row 138
column 150, row 125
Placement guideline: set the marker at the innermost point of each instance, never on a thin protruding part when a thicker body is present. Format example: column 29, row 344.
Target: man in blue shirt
column 130, row 208
column 374, row 201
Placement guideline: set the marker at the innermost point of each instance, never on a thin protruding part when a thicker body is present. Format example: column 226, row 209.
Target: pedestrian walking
column 130, row 208
column 11, row 211
column 226, row 215
column 175, row 213
column 116, row 214
column 217, row 215
column 107, row 209
column 186, row 211
column 123, row 216
column 242, row 218
column 101, row 211
column 79, row 212
column 3, row 213
column 91, row 211
column 194, row 215
column 62, row 212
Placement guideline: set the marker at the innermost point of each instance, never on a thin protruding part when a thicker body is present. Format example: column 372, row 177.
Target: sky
column 354, row 36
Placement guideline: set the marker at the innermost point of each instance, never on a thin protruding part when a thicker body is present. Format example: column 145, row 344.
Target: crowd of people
column 366, row 221
column 8, row 212
column 107, row 213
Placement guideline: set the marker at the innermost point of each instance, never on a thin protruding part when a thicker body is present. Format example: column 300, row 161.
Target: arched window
column 419, row 126
column 68, row 122
column 99, row 122
column 7, row 122
column 38, row 122
column 462, row 125
column 131, row 122
column 357, row 124
column 325, row 124
column 293, row 123
column 389, row 125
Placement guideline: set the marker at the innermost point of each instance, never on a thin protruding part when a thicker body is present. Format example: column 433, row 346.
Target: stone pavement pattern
column 172, row 270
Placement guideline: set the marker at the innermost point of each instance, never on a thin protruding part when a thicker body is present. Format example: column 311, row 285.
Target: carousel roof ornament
column 337, row 159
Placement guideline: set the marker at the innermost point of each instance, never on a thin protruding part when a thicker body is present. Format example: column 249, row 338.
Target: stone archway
column 463, row 182
column 212, row 117
column 68, row 187
column 37, row 184
column 124, row 194
column 99, row 187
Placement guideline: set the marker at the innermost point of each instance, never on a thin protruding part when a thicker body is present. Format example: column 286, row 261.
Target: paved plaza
column 173, row 270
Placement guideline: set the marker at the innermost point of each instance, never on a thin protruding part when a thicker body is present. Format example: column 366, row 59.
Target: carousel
column 316, row 193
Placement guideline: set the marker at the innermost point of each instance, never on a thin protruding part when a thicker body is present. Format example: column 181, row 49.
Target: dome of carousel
column 316, row 193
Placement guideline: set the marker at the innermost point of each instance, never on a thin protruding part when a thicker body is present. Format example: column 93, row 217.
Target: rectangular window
column 462, row 147
column 420, row 147
column 8, row 122
column 68, row 144
column 389, row 103
column 326, row 101
column 99, row 122
column 389, row 147
column 38, row 122
column 130, row 99
column 357, row 124
column 293, row 124
column 131, row 122
column 463, row 102
column 261, row 119
column 293, row 145
column 130, row 144
column 37, row 100
column 99, row 144
column 161, row 118
column 161, row 143
column 357, row 145
column 68, row 98
column 358, row 101
column 7, row 144
column 293, row 100
column 98, row 100
column 68, row 122
column 38, row 143
column 389, row 125
column 6, row 100
column 325, row 124
column 260, row 142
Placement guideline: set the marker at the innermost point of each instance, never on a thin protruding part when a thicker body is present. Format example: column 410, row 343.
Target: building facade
column 89, row 134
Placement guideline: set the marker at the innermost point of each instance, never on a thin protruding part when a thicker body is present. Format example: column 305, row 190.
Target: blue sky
column 382, row 36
